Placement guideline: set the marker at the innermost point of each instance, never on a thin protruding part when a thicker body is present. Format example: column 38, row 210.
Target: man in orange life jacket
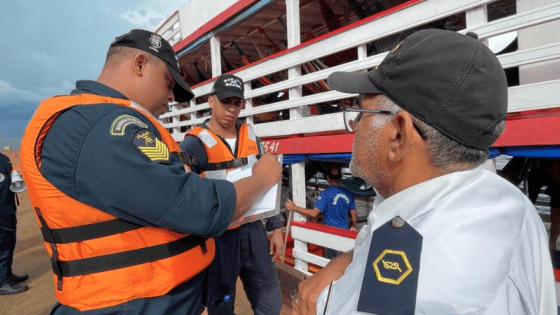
column 223, row 144
column 120, row 215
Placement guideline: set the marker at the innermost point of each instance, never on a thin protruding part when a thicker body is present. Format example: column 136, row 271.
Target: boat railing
column 356, row 36
column 318, row 234
column 170, row 29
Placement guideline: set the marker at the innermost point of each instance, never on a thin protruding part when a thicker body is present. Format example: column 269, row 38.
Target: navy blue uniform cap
column 159, row 47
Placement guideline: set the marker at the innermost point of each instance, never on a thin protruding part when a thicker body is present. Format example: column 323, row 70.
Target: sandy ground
column 31, row 257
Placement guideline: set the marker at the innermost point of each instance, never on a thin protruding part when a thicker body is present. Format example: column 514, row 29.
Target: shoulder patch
column 392, row 267
column 2, row 177
column 150, row 146
column 120, row 123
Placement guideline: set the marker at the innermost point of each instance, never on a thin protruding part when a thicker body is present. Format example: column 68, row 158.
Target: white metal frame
column 324, row 239
column 542, row 95
column 171, row 29
column 530, row 96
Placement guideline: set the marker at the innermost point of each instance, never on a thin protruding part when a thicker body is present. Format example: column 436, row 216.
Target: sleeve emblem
column 150, row 146
column 120, row 123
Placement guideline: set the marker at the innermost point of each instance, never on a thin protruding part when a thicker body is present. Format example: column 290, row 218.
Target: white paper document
column 267, row 206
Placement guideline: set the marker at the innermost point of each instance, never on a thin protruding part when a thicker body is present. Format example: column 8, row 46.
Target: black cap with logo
column 449, row 80
column 228, row 85
column 159, row 47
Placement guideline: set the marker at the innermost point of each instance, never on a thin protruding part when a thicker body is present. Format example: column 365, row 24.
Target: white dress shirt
column 484, row 251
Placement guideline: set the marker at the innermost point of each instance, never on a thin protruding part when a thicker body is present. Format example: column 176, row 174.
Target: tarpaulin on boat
column 293, row 158
column 548, row 151
column 198, row 43
column 335, row 157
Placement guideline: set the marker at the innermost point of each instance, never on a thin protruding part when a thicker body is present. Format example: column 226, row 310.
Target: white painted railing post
column 294, row 39
column 362, row 51
column 299, row 198
column 248, row 103
column 215, row 56
column 297, row 170
column 476, row 17
column 175, row 119
column 293, row 26
column 193, row 114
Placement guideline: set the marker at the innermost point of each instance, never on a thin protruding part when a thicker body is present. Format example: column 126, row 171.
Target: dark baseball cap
column 159, row 47
column 228, row 85
column 449, row 80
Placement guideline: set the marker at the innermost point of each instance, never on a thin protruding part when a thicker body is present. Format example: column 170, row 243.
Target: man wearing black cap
column 445, row 236
column 120, row 215
column 219, row 146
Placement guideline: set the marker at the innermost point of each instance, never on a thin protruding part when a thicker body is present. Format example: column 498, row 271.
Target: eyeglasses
column 352, row 116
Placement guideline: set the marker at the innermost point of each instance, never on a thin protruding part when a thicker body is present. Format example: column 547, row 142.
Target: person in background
column 547, row 172
column 336, row 203
column 9, row 282
column 445, row 236
column 121, row 214
column 219, row 146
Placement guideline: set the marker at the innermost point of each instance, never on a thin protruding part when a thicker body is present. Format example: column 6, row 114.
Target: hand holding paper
column 268, row 171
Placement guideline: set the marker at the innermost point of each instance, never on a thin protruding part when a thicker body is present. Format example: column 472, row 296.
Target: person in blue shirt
column 336, row 203
column 9, row 282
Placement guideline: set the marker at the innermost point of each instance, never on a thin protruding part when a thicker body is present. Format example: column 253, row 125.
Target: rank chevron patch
column 150, row 146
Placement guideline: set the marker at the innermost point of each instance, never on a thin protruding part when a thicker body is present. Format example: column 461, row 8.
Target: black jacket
column 7, row 201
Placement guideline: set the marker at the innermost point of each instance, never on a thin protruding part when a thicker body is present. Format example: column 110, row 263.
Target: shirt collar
column 94, row 87
column 418, row 199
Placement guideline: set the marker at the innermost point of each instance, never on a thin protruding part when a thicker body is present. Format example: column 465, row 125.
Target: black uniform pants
column 243, row 252
column 7, row 246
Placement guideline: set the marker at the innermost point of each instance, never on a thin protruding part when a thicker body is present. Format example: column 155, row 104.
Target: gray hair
column 445, row 153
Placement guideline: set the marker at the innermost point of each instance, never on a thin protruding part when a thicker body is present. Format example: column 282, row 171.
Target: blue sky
column 46, row 46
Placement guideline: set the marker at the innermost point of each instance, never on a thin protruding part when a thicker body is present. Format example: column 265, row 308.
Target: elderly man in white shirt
column 445, row 235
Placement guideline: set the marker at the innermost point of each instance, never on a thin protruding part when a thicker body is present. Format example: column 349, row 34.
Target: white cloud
column 64, row 87
column 144, row 18
column 41, row 56
column 149, row 14
column 7, row 91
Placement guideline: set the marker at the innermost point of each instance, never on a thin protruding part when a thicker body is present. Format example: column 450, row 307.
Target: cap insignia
column 155, row 42
column 232, row 82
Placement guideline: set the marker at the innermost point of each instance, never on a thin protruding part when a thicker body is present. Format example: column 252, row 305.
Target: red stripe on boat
column 325, row 229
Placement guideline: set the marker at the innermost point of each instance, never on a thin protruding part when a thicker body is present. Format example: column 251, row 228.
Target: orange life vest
column 98, row 259
column 220, row 157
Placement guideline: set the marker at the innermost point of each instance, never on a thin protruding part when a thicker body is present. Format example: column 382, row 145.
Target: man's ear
column 401, row 133
column 140, row 62
column 211, row 101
